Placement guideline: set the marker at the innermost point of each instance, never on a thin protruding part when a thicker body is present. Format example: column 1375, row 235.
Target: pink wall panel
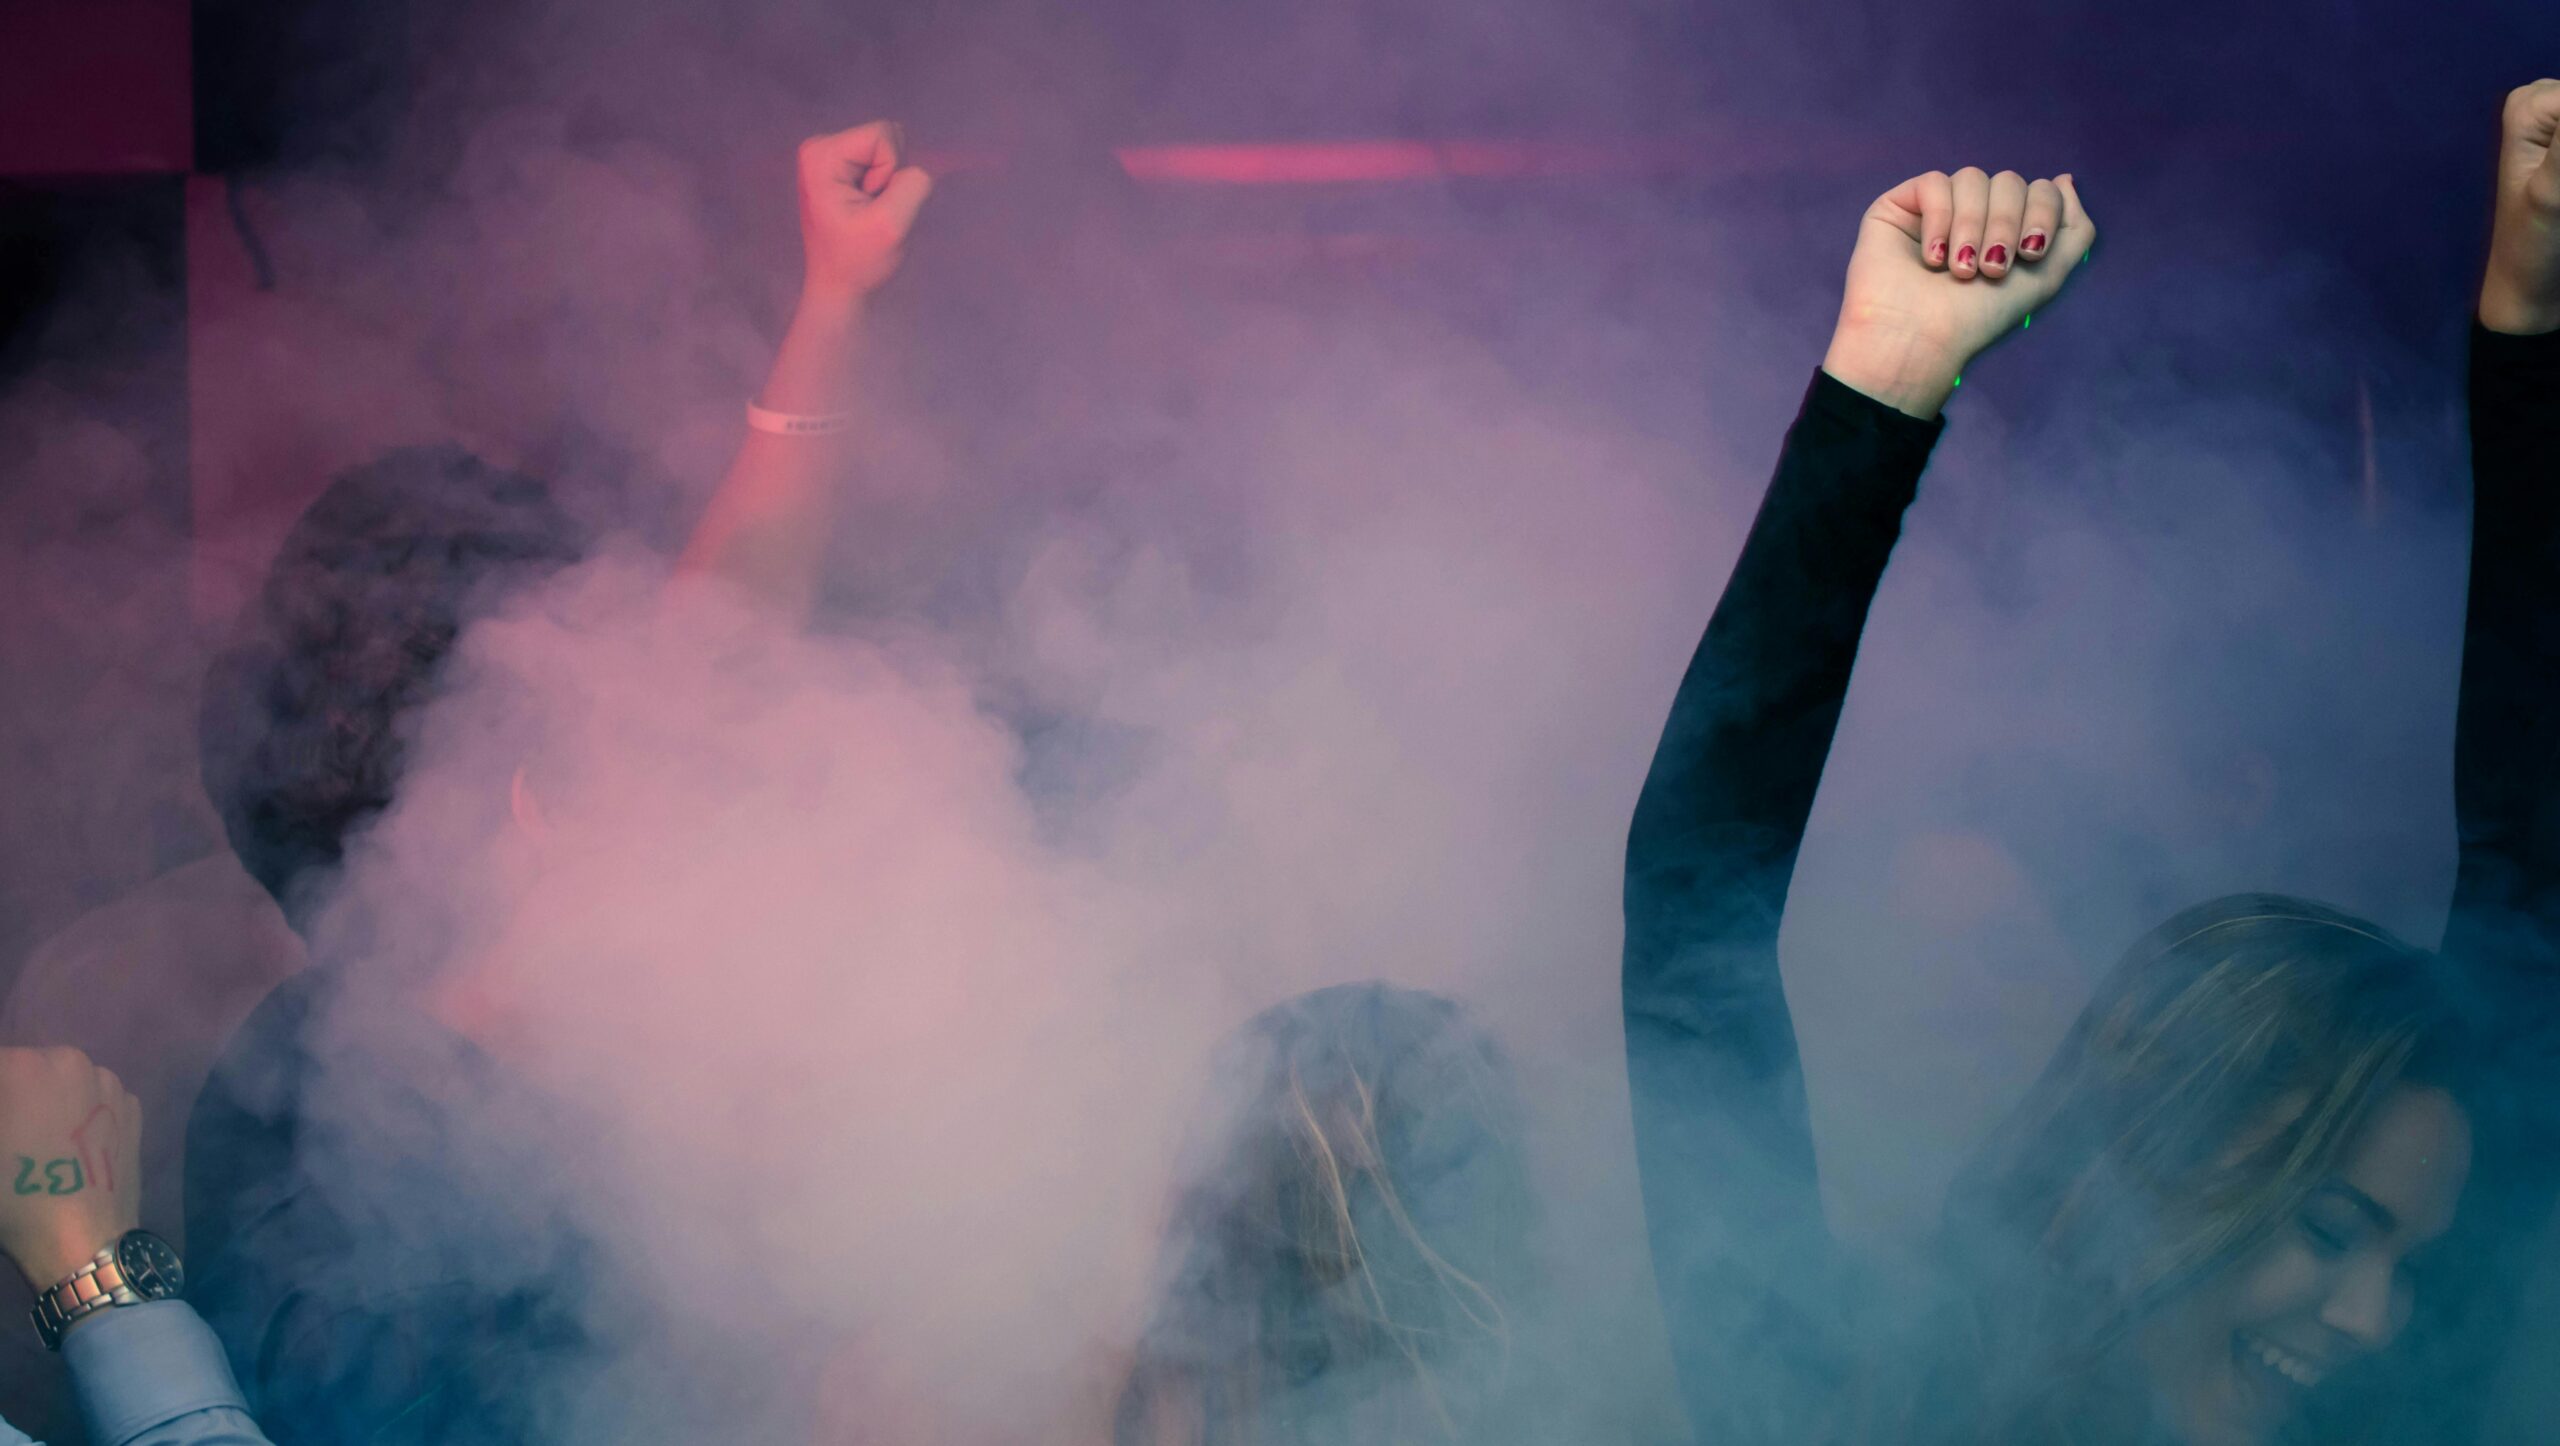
column 94, row 87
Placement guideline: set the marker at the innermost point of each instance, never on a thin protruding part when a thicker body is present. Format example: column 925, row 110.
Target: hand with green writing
column 71, row 1153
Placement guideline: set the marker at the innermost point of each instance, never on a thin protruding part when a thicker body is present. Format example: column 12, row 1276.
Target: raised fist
column 857, row 201
column 70, row 1161
column 2521, row 292
column 1945, row 266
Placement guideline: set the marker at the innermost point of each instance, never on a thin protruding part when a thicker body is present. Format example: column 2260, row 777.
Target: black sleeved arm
column 1732, row 1205
column 2506, row 910
column 2502, row 939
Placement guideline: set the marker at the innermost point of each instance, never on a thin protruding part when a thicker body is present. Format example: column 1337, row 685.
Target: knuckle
column 1972, row 173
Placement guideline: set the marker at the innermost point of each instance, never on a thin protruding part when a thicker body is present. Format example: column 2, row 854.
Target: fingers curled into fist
column 1945, row 266
column 2521, row 291
column 859, row 197
column 2531, row 123
column 1973, row 224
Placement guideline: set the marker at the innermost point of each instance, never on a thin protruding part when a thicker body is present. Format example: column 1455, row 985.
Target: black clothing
column 1746, row 1265
column 1754, row 1288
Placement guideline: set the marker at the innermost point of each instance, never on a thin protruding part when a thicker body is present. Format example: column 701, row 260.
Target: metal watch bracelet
column 94, row 1287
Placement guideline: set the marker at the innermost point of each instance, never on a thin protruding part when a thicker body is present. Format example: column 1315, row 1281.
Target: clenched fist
column 2521, row 292
column 858, row 199
column 1945, row 266
column 70, row 1161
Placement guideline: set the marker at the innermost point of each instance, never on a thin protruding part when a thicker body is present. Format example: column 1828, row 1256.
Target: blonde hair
column 2215, row 1079
column 1351, row 1240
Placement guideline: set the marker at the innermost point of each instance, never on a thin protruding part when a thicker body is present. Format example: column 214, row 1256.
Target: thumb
column 899, row 201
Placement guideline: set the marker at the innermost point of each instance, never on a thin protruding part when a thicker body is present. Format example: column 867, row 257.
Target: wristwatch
column 139, row 1266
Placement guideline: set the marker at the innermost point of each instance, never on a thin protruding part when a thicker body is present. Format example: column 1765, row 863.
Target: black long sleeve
column 2506, row 909
column 2503, row 935
column 1743, row 1258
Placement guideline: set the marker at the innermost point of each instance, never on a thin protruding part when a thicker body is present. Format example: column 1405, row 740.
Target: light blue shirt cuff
column 139, row 1367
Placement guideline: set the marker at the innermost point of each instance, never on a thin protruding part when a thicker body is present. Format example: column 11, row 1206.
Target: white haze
column 887, row 957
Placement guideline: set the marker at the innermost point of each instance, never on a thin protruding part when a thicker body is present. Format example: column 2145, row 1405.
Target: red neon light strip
column 1335, row 163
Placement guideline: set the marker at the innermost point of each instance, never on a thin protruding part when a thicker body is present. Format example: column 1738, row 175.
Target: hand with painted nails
column 1944, row 267
column 858, row 199
column 71, row 1144
column 2521, row 292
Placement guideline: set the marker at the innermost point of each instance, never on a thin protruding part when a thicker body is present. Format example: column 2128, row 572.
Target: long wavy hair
column 2223, row 1068
column 1351, row 1240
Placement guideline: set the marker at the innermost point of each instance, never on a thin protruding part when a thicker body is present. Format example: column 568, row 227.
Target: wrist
column 831, row 302
column 2512, row 309
column 814, row 373
column 2520, row 289
column 1913, row 375
column 57, row 1257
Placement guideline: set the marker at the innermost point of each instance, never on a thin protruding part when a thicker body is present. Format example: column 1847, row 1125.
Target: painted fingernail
column 1938, row 251
column 1996, row 256
column 1964, row 256
column 2033, row 243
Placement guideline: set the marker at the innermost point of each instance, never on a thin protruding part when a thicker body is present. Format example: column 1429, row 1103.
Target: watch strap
column 96, row 1286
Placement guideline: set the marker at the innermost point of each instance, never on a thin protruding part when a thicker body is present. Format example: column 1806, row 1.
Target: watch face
column 150, row 1265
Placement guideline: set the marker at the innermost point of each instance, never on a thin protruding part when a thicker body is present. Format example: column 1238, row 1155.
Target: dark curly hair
column 305, row 706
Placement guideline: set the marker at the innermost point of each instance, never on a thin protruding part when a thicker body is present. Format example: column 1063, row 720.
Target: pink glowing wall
column 94, row 87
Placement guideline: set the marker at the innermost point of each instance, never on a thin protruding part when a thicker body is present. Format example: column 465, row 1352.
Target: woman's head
column 1351, row 1236
column 2209, row 1203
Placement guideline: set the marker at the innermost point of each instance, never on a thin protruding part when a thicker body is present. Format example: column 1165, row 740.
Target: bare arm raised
column 767, row 526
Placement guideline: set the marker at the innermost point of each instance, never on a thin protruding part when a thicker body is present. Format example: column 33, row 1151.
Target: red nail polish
column 2033, row 244
column 1964, row 256
column 1996, row 256
column 1937, row 250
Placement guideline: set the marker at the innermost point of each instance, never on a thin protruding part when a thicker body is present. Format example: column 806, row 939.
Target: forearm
column 1734, row 775
column 2506, row 775
column 767, row 526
